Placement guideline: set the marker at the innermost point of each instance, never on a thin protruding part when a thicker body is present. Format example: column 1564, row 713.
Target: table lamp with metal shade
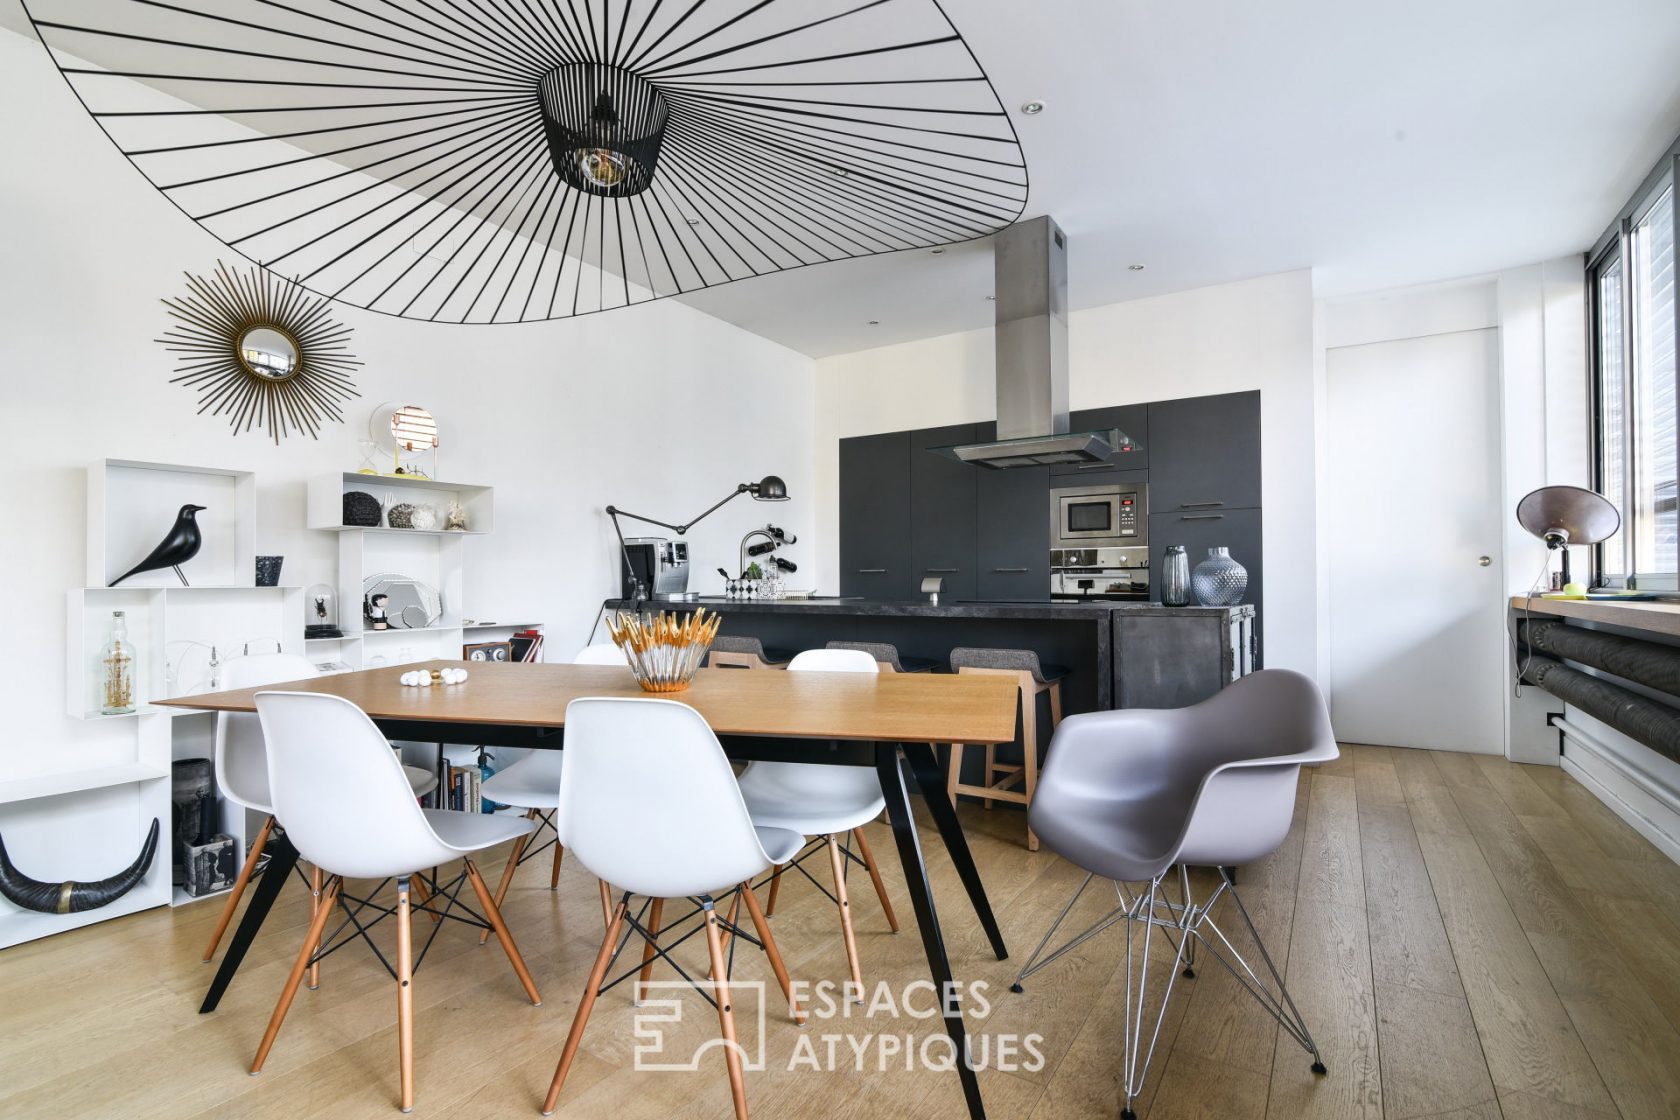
column 1568, row 515
column 770, row 488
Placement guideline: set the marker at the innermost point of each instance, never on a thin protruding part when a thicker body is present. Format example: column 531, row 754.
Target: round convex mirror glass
column 268, row 353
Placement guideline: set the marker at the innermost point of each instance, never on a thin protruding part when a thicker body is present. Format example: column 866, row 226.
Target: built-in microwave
column 1109, row 516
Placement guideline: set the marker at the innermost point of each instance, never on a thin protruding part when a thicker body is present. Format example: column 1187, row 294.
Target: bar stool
column 1031, row 678
column 533, row 784
column 732, row 651
column 887, row 654
column 340, row 794
column 242, row 773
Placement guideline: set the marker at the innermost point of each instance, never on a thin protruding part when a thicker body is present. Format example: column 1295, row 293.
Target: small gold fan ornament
column 664, row 651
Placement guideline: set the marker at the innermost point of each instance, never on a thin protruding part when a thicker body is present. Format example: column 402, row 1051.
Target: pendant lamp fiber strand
column 495, row 161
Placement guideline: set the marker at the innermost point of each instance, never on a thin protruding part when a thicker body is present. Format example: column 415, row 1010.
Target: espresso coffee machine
column 654, row 568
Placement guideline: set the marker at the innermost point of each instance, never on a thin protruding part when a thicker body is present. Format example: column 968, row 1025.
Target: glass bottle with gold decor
column 117, row 669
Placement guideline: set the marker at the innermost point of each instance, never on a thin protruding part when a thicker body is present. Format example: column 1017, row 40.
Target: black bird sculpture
column 180, row 545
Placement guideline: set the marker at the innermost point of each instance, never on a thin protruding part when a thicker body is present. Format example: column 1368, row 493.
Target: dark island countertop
column 1046, row 610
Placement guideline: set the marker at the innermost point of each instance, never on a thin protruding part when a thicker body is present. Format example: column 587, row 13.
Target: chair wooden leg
column 762, row 925
column 238, row 890
column 953, row 771
column 315, row 881
column 422, row 896
column 405, row 994
column 299, row 967
column 656, row 915
column 775, row 889
column 1029, row 744
column 726, row 1014
column 875, row 877
column 991, row 771
column 585, row 1006
column 519, row 846
column 1055, row 704
column 606, row 903
column 836, row 860
column 729, row 927
column 494, row 913
column 559, row 854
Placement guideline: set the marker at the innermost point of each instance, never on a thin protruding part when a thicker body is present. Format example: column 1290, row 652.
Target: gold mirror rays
column 261, row 351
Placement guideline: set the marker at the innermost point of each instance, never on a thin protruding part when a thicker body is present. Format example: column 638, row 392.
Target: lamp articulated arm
column 768, row 489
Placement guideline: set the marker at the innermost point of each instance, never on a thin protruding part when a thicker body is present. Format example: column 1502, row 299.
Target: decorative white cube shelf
column 132, row 505
column 326, row 502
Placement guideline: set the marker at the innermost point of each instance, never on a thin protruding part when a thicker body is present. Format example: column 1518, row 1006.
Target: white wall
column 1257, row 334
column 658, row 409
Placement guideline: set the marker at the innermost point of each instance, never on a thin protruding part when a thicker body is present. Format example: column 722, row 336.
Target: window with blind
column 1635, row 379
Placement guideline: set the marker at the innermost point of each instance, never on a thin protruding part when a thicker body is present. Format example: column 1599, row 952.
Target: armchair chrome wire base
column 1186, row 924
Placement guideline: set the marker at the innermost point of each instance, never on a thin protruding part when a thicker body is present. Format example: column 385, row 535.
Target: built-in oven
column 1100, row 574
column 1111, row 516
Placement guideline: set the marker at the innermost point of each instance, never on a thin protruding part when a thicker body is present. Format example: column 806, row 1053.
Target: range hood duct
column 1030, row 265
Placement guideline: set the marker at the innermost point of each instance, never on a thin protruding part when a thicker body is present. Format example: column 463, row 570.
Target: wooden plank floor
column 1467, row 938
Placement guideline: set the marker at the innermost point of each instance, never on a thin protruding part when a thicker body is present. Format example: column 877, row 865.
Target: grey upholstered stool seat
column 1018, row 660
column 996, row 778
column 734, row 651
column 1132, row 795
column 887, row 654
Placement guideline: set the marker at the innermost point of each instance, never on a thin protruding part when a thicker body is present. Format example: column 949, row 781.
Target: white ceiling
column 1215, row 140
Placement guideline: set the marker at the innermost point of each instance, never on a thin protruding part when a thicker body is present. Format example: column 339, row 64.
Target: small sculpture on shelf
column 322, row 613
column 177, row 547
column 376, row 616
column 116, row 670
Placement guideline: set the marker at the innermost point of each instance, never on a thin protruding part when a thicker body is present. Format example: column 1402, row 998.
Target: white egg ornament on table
column 426, row 678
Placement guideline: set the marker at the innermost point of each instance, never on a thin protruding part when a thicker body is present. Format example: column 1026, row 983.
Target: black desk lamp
column 770, row 488
column 1566, row 515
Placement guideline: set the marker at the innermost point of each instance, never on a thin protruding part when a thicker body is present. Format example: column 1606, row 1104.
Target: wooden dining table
column 849, row 719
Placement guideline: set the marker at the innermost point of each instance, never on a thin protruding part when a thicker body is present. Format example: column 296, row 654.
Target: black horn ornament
column 71, row 897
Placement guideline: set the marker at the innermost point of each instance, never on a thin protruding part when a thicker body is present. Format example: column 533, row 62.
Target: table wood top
column 876, row 707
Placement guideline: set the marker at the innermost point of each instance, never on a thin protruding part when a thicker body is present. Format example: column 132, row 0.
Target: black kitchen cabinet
column 1013, row 531
column 943, row 493
column 1204, row 453
column 1200, row 530
column 875, row 517
column 1131, row 419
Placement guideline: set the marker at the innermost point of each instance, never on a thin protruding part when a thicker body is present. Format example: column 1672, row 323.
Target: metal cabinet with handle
column 1199, row 530
column 1204, row 453
column 942, row 511
column 875, row 517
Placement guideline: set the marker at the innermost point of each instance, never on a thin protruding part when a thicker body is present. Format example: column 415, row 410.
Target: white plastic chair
column 1129, row 795
column 341, row 795
column 824, row 802
column 242, row 771
column 533, row 784
column 648, row 802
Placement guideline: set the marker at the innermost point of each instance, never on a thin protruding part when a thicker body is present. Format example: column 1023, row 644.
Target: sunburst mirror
column 261, row 351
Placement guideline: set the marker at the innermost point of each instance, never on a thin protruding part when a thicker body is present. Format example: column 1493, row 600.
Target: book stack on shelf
column 462, row 789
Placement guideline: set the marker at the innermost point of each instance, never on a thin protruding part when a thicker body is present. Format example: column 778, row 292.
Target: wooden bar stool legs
column 239, row 884
column 997, row 778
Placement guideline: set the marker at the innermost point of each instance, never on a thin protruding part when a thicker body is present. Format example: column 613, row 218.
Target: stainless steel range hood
column 1030, row 266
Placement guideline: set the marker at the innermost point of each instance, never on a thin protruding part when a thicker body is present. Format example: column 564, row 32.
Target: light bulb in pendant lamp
column 604, row 126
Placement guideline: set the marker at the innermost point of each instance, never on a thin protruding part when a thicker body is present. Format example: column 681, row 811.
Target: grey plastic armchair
column 1130, row 795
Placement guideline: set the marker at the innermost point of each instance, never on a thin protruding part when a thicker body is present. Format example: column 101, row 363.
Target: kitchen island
column 1118, row 654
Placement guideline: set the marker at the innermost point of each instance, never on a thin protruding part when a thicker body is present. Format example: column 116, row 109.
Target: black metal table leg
column 932, row 780
column 282, row 857
column 921, row 900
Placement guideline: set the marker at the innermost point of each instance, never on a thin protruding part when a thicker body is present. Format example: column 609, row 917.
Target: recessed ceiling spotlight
column 1135, row 267
column 936, row 252
column 694, row 221
column 874, row 322
column 1032, row 108
column 992, row 298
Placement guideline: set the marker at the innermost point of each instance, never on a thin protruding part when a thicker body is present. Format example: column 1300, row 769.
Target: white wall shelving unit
column 86, row 822
column 433, row 556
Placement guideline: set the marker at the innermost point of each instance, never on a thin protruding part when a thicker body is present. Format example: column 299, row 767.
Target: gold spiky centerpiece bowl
column 664, row 651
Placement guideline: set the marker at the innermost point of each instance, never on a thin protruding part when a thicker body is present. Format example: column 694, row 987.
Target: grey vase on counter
column 1175, row 577
column 1218, row 581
